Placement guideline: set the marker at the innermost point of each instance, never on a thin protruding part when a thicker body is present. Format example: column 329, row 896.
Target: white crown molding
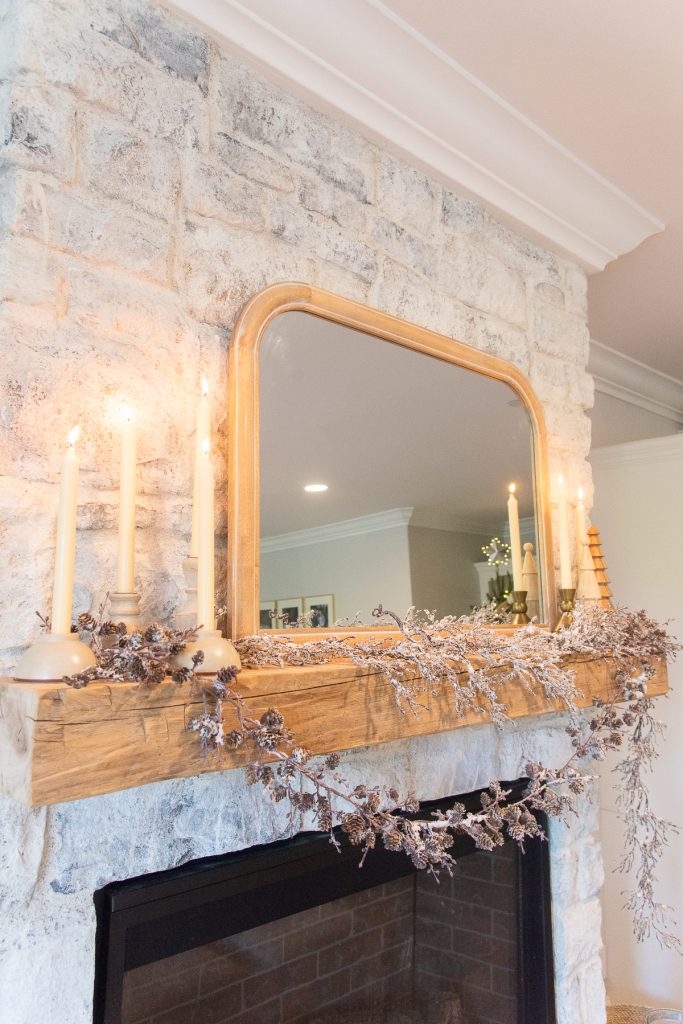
column 652, row 449
column 631, row 381
column 429, row 519
column 372, row 523
column 353, row 57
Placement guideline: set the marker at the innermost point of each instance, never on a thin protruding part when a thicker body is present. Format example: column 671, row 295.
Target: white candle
column 580, row 530
column 206, row 613
column 565, row 557
column 65, row 550
column 125, row 571
column 515, row 539
column 202, row 433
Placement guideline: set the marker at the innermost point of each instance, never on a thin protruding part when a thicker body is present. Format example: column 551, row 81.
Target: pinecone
column 392, row 840
column 272, row 719
column 87, row 622
column 227, row 675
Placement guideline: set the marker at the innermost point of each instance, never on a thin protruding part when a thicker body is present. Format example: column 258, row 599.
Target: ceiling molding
column 372, row 523
column 352, row 57
column 652, row 449
column 631, row 381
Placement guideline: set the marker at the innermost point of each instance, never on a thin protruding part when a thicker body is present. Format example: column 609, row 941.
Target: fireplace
column 297, row 932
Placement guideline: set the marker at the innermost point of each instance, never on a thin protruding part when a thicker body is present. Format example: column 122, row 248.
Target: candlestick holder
column 125, row 608
column 53, row 656
column 218, row 653
column 567, row 596
column 519, row 608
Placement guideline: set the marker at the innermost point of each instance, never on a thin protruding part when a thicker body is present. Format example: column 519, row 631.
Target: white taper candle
column 202, row 433
column 65, row 548
column 563, row 519
column 206, row 612
column 125, row 566
column 515, row 539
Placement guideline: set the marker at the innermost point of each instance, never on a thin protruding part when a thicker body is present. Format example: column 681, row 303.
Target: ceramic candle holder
column 218, row 653
column 53, row 656
column 125, row 608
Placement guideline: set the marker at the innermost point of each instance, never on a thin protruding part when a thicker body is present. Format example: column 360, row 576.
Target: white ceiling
column 606, row 80
column 563, row 117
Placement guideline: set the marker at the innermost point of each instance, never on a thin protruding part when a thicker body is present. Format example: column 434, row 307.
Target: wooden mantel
column 58, row 744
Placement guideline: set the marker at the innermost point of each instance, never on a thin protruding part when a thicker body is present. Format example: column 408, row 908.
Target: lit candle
column 565, row 557
column 202, row 433
column 206, row 614
column 515, row 539
column 580, row 529
column 125, row 582
column 65, row 550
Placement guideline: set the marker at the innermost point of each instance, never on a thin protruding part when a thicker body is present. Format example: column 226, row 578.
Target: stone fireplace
column 151, row 182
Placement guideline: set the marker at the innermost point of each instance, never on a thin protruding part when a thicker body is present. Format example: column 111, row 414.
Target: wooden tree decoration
column 530, row 581
column 588, row 587
column 595, row 545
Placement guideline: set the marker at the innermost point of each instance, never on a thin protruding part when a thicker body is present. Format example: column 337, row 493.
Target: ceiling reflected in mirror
column 384, row 473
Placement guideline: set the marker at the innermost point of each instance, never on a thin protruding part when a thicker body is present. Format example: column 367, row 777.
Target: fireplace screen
column 299, row 933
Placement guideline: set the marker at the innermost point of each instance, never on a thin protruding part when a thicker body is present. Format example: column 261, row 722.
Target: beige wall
column 639, row 509
column 442, row 569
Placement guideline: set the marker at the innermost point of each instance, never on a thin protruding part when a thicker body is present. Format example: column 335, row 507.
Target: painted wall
column 360, row 571
column 444, row 577
column 639, row 510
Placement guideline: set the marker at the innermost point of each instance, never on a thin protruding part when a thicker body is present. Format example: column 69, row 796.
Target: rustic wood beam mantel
column 58, row 743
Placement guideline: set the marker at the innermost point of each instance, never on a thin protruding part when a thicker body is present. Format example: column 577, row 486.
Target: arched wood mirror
column 369, row 462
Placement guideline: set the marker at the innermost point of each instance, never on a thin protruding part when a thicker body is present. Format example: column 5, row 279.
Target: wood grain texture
column 243, row 411
column 58, row 744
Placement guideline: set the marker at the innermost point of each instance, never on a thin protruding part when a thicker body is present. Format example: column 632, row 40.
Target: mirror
column 381, row 457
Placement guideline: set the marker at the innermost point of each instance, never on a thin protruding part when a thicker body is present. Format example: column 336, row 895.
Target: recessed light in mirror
column 315, row 488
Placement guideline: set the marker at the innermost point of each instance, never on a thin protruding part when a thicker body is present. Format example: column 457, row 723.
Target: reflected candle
column 515, row 539
column 563, row 520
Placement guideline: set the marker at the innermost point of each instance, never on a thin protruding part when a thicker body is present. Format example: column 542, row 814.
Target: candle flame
column 205, row 387
column 560, row 480
column 580, row 493
column 206, row 445
column 73, row 435
column 512, row 488
column 126, row 412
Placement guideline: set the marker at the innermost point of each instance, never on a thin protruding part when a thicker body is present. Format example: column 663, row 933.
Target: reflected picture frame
column 320, row 607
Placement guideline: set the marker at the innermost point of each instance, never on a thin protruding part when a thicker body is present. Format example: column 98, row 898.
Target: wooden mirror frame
column 243, row 595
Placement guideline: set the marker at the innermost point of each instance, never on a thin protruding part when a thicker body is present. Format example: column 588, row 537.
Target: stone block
column 252, row 163
column 403, row 246
column 127, row 165
column 250, row 107
column 408, row 295
column 320, row 238
column 591, row 871
column 576, row 289
column 70, row 219
column 406, row 195
column 30, row 275
column 576, row 934
column 157, row 35
column 37, row 127
column 333, row 204
column 502, row 340
column 218, row 268
column 462, row 216
column 212, row 190
column 96, row 68
column 558, row 333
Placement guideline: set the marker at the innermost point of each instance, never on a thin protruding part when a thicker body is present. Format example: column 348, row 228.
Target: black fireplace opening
column 297, row 933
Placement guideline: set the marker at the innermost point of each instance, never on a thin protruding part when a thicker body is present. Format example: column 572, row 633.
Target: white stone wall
column 53, row 859
column 149, row 184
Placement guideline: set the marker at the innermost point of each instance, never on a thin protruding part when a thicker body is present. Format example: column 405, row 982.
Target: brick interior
column 409, row 950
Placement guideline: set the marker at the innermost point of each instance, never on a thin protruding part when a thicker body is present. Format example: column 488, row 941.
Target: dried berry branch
column 475, row 660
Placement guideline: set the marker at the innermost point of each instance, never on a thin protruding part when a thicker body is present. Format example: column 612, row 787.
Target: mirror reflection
column 384, row 476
